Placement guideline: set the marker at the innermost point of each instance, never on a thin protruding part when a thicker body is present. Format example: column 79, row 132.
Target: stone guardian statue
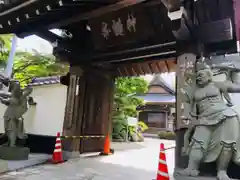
column 216, row 126
column 17, row 106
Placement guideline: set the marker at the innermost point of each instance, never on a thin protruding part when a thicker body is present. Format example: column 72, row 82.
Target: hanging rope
column 169, row 148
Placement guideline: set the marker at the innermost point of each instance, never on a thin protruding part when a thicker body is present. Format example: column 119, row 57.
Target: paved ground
column 137, row 161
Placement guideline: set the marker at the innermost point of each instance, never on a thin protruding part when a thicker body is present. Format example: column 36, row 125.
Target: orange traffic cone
column 106, row 149
column 162, row 173
column 57, row 154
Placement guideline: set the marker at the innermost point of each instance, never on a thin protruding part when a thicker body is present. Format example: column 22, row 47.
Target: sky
column 36, row 43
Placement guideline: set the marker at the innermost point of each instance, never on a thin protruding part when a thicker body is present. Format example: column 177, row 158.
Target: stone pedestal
column 3, row 166
column 14, row 153
column 180, row 161
column 195, row 178
column 205, row 168
column 70, row 155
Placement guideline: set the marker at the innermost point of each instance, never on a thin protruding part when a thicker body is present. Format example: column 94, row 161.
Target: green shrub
column 169, row 135
column 142, row 126
column 118, row 124
column 134, row 133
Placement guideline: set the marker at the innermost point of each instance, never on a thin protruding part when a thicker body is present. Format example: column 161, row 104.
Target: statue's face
column 16, row 89
column 202, row 78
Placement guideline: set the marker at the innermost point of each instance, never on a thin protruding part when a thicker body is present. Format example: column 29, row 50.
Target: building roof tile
column 45, row 81
column 158, row 98
column 159, row 81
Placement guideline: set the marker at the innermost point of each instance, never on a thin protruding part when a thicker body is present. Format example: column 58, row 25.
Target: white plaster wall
column 46, row 118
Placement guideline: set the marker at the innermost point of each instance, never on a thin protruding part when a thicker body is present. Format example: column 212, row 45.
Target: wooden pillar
column 98, row 108
column 71, row 146
column 109, row 104
column 184, row 62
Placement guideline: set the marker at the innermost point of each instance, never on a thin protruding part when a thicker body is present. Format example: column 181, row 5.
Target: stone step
column 34, row 159
column 180, row 177
column 195, row 178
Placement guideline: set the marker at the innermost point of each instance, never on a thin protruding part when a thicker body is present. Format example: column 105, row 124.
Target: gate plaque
column 120, row 27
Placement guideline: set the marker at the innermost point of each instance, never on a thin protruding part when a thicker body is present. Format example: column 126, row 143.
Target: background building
column 159, row 101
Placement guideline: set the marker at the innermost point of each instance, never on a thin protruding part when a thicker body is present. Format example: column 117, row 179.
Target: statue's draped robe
column 16, row 108
column 217, row 123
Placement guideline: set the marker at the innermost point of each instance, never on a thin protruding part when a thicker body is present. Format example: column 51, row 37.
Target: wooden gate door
column 73, row 112
column 96, row 112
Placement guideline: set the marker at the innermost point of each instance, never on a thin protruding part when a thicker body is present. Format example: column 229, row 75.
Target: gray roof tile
column 44, row 81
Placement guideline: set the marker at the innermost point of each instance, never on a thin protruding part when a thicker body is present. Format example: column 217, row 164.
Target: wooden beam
column 15, row 8
column 136, row 69
column 167, row 65
column 140, row 68
column 154, row 67
column 126, row 71
column 119, row 72
column 48, row 35
column 156, row 50
column 215, row 31
column 163, row 66
column 158, row 67
column 149, row 67
column 98, row 12
column 133, row 71
column 87, row 2
column 172, row 5
column 145, row 67
column 172, row 65
column 122, row 72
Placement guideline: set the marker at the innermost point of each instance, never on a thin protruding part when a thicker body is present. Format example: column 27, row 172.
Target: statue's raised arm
column 26, row 92
column 5, row 94
column 4, row 81
column 228, row 87
column 225, row 66
column 5, row 101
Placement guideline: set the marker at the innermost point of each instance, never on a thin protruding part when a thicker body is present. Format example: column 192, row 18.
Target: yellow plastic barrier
column 82, row 137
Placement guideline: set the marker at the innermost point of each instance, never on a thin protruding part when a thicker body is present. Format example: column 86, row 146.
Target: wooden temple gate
column 105, row 39
column 90, row 97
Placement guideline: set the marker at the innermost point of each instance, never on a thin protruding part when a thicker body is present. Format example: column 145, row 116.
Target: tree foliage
column 125, row 102
column 30, row 65
column 5, row 45
column 125, row 91
column 5, row 42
